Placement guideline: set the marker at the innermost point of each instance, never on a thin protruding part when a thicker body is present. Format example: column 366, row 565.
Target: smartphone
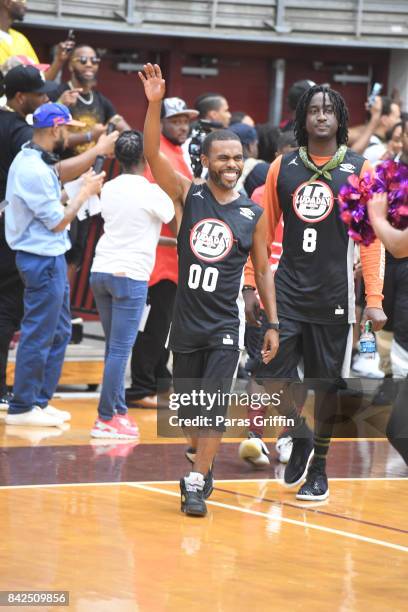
column 70, row 41
column 376, row 90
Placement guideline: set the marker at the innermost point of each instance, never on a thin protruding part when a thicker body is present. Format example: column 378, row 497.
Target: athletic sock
column 321, row 448
column 194, row 481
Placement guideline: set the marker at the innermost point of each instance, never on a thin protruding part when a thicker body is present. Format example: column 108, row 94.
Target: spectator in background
column 133, row 210
column 390, row 115
column 94, row 111
column 393, row 139
column 213, row 107
column 25, row 91
column 241, row 117
column 255, row 170
column 13, row 42
column 36, row 225
column 149, row 356
column 91, row 107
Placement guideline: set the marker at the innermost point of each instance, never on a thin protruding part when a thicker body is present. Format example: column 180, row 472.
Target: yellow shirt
column 15, row 43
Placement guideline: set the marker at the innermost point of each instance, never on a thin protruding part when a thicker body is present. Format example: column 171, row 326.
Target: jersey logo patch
column 293, row 162
column 227, row 340
column 247, row 213
column 347, row 168
column 199, row 194
column 211, row 240
column 313, row 202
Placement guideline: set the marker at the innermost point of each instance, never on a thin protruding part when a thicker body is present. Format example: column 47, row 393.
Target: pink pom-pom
column 390, row 177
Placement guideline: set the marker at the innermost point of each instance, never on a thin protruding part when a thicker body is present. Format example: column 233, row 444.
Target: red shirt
column 166, row 257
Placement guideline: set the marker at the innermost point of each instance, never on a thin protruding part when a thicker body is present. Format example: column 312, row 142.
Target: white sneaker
column 35, row 418
column 56, row 412
column 254, row 451
column 284, row 448
column 367, row 366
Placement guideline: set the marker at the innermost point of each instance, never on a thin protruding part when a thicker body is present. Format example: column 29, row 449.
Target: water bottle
column 368, row 345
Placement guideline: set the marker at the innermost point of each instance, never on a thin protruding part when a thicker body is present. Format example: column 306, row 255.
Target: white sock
column 194, row 481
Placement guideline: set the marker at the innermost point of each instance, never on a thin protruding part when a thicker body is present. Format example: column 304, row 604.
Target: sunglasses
column 84, row 60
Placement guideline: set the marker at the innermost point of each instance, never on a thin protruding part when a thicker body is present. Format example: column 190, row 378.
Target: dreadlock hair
column 129, row 148
column 216, row 136
column 340, row 110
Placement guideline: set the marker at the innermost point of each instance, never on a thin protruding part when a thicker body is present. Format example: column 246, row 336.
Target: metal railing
column 378, row 23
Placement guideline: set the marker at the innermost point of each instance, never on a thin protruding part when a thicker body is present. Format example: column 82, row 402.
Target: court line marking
column 345, row 534
column 313, row 508
column 161, row 482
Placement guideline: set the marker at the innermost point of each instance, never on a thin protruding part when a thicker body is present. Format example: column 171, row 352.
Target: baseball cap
column 297, row 90
column 26, row 79
column 51, row 114
column 176, row 106
column 18, row 60
column 246, row 133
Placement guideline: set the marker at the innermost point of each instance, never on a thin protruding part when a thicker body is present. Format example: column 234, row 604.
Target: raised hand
column 153, row 82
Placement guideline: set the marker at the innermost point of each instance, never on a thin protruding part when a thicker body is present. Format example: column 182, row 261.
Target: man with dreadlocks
column 314, row 279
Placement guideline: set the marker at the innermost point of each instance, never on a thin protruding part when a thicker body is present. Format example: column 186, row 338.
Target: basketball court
column 102, row 521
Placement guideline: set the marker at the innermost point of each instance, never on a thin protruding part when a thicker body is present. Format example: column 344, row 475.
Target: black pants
column 149, row 355
column 11, row 314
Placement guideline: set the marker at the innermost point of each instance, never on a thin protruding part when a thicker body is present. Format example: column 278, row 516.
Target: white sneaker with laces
column 284, row 448
column 34, row 418
column 254, row 451
column 56, row 412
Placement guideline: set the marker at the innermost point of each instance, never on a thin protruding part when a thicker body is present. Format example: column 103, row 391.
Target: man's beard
column 217, row 180
column 83, row 80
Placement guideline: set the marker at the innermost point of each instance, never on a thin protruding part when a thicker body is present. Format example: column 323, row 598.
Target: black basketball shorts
column 324, row 349
column 203, row 380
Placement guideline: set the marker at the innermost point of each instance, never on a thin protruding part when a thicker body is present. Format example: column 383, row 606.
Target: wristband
column 274, row 326
column 248, row 288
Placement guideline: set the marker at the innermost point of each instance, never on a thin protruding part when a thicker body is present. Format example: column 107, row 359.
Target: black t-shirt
column 14, row 132
column 213, row 245
column 314, row 280
column 98, row 110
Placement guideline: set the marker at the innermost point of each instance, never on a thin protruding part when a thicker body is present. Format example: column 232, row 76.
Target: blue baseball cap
column 246, row 133
column 52, row 114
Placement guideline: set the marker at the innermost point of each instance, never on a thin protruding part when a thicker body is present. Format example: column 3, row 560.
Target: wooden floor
column 102, row 521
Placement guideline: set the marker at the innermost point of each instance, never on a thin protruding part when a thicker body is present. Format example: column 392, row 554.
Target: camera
column 202, row 128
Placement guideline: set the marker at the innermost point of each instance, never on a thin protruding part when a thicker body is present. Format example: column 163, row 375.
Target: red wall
column 245, row 70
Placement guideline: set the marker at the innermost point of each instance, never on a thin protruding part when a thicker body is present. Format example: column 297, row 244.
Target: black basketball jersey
column 213, row 245
column 314, row 279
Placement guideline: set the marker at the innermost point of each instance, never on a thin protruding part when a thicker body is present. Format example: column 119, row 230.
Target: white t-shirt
column 133, row 210
column 375, row 150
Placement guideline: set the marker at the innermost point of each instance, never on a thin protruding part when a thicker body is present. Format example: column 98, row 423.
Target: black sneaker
column 299, row 460
column 192, row 501
column 316, row 487
column 208, row 483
